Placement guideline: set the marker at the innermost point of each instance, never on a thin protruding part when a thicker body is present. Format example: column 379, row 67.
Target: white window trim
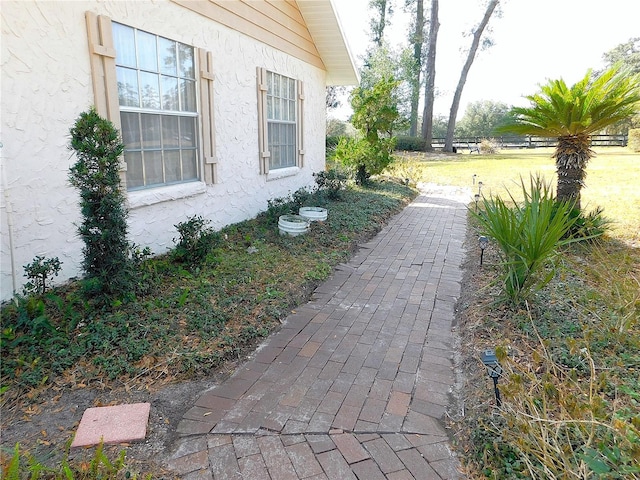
column 279, row 173
column 164, row 193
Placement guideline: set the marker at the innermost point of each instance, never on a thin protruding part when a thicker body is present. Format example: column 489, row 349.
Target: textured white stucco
column 46, row 84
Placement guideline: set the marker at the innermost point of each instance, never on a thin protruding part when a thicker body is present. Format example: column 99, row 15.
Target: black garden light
column 494, row 370
column 477, row 199
column 479, row 187
column 483, row 242
column 474, row 178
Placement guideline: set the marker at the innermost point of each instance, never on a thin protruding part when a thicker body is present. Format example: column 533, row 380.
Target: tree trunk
column 377, row 26
column 417, row 39
column 430, row 77
column 477, row 35
column 572, row 155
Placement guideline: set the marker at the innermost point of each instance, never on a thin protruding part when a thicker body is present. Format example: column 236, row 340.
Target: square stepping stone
column 116, row 424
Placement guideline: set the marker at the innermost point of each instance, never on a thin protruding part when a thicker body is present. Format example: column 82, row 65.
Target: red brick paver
column 356, row 382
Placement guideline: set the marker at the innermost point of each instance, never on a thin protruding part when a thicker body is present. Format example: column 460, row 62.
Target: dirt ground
column 44, row 425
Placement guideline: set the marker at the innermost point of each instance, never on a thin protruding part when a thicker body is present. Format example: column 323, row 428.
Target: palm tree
column 573, row 115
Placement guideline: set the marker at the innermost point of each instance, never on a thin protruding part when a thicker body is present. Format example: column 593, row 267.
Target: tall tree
column 573, row 114
column 417, row 40
column 627, row 53
column 379, row 21
column 430, row 77
column 455, row 104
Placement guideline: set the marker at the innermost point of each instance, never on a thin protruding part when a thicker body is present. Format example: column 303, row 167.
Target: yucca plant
column 528, row 234
column 573, row 114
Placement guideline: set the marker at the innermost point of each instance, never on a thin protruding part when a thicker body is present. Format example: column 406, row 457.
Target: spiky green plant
column 528, row 234
column 573, row 114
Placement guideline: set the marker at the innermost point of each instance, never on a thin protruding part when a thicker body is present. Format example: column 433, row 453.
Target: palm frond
column 588, row 106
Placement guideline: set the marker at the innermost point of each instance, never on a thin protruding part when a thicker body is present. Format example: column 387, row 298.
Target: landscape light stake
column 479, row 187
column 483, row 241
column 494, row 370
column 477, row 198
column 474, row 178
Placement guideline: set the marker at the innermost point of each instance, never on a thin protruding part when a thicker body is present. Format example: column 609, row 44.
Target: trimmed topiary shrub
column 96, row 174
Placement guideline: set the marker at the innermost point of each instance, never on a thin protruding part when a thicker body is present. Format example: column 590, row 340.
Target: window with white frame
column 158, row 107
column 281, row 120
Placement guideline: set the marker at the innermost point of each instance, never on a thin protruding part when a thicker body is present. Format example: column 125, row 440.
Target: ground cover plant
column 570, row 351
column 191, row 316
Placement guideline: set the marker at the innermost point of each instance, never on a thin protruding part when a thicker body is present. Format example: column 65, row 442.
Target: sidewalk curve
column 356, row 383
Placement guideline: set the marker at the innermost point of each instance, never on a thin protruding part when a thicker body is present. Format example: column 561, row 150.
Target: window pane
column 189, row 165
column 292, row 111
column 150, row 131
column 123, row 41
column 150, row 90
column 170, row 93
column 135, row 176
column 187, row 64
column 269, row 107
column 168, row 61
column 147, row 51
column 153, row 168
column 170, row 133
column 188, row 93
column 127, row 87
column 172, row 166
column 292, row 89
column 187, row 132
column 130, row 130
column 277, row 111
column 156, row 74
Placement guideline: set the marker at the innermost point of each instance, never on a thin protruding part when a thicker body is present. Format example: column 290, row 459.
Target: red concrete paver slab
column 253, row 467
column 368, row 470
column 115, row 424
column 189, row 463
column 335, row 466
column 303, row 460
column 350, row 447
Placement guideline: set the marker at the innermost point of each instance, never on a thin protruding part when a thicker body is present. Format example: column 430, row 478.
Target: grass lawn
column 613, row 178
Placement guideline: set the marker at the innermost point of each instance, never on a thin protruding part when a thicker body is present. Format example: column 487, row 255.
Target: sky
column 534, row 40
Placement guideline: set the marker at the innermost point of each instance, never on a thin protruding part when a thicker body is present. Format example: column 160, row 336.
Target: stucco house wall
column 47, row 83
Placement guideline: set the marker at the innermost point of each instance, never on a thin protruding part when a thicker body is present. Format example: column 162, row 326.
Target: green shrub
column 588, row 226
column 331, row 142
column 331, row 182
column 634, row 139
column 527, row 234
column 38, row 272
column 365, row 158
column 375, row 115
column 196, row 240
column 410, row 144
column 96, row 174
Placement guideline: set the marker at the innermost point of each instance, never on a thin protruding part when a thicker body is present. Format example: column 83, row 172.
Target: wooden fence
column 528, row 141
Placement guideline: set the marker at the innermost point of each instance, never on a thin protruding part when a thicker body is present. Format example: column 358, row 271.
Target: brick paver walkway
column 356, row 382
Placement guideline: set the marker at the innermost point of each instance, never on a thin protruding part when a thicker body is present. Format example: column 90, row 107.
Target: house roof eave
column 324, row 26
